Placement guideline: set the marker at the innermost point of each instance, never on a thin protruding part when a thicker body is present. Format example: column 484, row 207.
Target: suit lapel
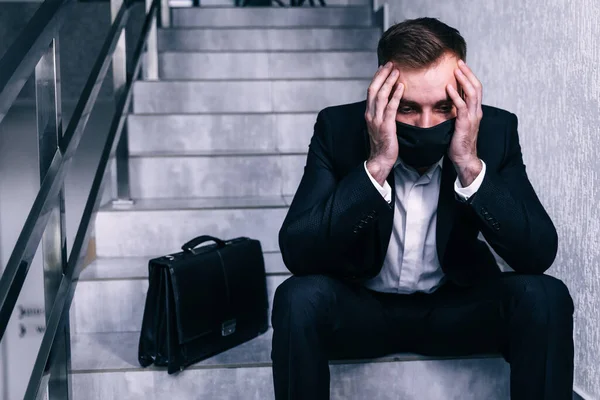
column 446, row 208
column 391, row 181
column 386, row 224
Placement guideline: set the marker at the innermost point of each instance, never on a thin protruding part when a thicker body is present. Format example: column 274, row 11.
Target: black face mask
column 423, row 147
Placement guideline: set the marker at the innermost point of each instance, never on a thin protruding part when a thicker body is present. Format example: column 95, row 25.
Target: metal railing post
column 54, row 240
column 119, row 67
column 165, row 14
column 150, row 70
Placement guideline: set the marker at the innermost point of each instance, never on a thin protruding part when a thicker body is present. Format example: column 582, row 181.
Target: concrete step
column 215, row 175
column 179, row 133
column 104, row 366
column 171, row 97
column 115, row 268
column 225, row 17
column 230, row 3
column 271, row 39
column 267, row 65
column 161, row 226
column 111, row 293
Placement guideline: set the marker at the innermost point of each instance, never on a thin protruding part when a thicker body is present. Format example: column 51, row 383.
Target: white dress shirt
column 411, row 263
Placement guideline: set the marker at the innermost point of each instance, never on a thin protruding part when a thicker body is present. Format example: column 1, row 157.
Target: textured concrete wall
column 540, row 59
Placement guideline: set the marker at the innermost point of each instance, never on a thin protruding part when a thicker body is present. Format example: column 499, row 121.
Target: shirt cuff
column 385, row 190
column 465, row 192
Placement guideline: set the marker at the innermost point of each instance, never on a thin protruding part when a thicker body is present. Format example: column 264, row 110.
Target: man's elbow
column 543, row 255
column 547, row 250
column 283, row 248
column 290, row 257
column 300, row 255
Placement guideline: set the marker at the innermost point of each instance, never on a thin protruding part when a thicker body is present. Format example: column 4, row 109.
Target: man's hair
column 419, row 43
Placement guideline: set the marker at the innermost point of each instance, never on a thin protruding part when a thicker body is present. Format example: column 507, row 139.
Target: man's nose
column 425, row 121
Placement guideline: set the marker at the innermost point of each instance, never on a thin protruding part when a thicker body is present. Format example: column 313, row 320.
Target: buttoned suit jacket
column 339, row 224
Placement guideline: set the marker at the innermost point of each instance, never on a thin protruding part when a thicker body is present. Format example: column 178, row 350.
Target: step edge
column 410, row 357
column 358, row 50
column 169, row 209
column 145, row 278
column 199, row 9
column 137, row 258
column 96, row 264
column 291, row 52
column 243, row 80
column 250, row 153
column 274, row 28
column 219, row 113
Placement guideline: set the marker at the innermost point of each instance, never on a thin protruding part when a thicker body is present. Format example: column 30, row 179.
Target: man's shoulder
column 494, row 129
column 349, row 112
column 490, row 112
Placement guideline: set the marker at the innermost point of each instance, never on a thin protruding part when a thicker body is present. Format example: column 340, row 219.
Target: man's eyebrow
column 445, row 101
column 410, row 102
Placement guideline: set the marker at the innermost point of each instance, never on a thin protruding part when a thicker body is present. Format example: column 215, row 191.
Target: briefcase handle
column 189, row 246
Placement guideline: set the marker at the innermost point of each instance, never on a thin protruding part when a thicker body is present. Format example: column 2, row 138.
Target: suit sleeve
column 328, row 227
column 511, row 217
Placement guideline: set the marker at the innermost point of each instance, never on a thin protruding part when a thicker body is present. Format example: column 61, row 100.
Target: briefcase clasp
column 228, row 327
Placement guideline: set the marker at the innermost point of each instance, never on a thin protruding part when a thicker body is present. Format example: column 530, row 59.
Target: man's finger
column 392, row 108
column 461, row 106
column 469, row 90
column 383, row 97
column 473, row 79
column 378, row 80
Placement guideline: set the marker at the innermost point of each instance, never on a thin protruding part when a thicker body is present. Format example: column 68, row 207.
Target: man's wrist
column 469, row 170
column 378, row 171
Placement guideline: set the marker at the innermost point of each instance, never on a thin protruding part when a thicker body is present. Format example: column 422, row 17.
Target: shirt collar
column 429, row 172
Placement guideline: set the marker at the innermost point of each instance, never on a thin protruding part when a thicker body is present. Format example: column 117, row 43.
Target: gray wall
column 539, row 59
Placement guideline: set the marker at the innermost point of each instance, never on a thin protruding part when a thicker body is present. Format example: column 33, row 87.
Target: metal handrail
column 20, row 59
column 68, row 283
column 15, row 68
column 20, row 259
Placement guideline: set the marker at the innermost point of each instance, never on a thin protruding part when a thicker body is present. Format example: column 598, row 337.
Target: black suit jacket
column 339, row 224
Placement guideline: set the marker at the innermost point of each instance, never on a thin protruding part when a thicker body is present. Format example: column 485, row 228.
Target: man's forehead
column 446, row 62
column 426, row 99
column 427, row 91
column 426, row 94
column 430, row 78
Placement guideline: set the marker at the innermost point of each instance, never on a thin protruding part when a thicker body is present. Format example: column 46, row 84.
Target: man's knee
column 546, row 298
column 302, row 299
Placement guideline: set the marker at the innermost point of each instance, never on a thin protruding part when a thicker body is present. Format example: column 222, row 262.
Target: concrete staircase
column 218, row 147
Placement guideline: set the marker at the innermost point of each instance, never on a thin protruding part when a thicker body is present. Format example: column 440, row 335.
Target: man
column 381, row 235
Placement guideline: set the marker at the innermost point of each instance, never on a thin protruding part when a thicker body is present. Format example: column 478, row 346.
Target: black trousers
column 526, row 318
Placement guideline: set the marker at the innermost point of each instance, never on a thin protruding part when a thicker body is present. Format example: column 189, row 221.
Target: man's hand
column 381, row 121
column 463, row 148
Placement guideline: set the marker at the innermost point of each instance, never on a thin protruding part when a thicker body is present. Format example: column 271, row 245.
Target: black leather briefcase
column 203, row 301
